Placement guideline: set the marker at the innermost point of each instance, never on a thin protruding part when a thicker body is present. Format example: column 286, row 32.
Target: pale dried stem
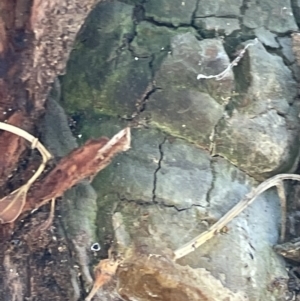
column 20, row 193
column 282, row 197
column 50, row 218
column 33, row 140
column 236, row 210
column 230, row 66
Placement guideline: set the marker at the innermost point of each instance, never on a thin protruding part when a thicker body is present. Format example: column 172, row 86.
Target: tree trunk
column 36, row 38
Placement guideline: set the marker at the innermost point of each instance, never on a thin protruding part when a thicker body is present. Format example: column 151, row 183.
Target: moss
column 77, row 95
column 153, row 40
column 100, row 64
column 113, row 93
column 190, row 135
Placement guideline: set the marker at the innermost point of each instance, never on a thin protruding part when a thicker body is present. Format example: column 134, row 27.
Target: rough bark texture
column 36, row 38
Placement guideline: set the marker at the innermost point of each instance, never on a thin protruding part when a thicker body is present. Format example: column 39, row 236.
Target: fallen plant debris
column 11, row 206
column 216, row 228
column 231, row 65
column 103, row 273
column 83, row 162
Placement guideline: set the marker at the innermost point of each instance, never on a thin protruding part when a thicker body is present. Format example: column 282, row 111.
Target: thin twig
column 236, row 210
column 34, row 144
column 33, row 140
column 282, row 198
column 50, row 218
column 13, row 203
column 230, row 66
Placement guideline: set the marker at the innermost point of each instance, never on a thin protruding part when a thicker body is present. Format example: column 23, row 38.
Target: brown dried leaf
column 104, row 272
column 11, row 206
column 81, row 163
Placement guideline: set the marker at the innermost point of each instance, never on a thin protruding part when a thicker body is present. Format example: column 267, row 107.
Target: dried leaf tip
column 123, row 138
column 104, row 272
column 127, row 134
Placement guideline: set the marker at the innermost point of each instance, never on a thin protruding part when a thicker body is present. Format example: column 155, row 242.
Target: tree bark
column 36, row 38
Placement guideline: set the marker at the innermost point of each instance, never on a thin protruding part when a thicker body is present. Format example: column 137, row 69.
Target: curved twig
column 11, row 205
column 236, row 210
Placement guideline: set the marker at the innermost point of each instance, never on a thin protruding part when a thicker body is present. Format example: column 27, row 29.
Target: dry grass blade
column 12, row 205
column 282, row 197
column 33, row 140
column 236, row 210
column 46, row 224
